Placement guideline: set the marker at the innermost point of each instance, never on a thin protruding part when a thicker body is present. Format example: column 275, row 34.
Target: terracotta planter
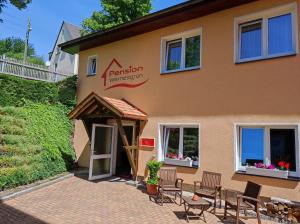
column 152, row 189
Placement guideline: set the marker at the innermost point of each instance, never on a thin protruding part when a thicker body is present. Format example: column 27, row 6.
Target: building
column 60, row 61
column 212, row 84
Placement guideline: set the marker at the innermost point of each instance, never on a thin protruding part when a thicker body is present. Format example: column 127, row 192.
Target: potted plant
column 152, row 182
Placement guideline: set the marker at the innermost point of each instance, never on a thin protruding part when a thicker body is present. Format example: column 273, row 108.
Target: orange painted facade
column 218, row 95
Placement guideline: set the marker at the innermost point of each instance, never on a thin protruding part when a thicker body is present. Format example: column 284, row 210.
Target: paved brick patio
column 77, row 200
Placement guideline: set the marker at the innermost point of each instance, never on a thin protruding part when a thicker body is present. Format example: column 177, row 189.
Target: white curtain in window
column 166, row 134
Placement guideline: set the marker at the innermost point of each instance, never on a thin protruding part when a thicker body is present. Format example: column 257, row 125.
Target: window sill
column 180, row 70
column 265, row 58
column 183, row 163
column 290, row 178
column 91, row 75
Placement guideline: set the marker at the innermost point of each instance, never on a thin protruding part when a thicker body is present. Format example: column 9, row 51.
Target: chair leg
column 220, row 202
column 258, row 215
column 215, row 204
column 225, row 211
column 237, row 216
column 180, row 203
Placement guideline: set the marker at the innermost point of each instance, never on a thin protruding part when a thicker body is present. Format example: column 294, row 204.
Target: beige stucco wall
column 218, row 95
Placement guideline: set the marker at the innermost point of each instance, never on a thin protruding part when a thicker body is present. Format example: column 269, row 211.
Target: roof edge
column 154, row 21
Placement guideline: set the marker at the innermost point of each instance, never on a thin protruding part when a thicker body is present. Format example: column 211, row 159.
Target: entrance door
column 123, row 168
column 101, row 152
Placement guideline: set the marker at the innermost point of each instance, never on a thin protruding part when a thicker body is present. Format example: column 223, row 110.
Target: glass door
column 101, row 152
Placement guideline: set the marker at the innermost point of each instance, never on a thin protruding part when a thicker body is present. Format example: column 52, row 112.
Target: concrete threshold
column 16, row 192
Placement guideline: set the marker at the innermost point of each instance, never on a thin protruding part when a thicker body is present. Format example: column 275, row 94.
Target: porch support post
column 137, row 139
column 127, row 147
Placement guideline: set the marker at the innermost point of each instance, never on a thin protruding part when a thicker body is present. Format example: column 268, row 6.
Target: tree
column 14, row 48
column 15, row 45
column 20, row 4
column 115, row 12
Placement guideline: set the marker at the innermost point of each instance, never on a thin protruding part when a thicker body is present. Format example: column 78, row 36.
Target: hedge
column 15, row 91
column 35, row 143
column 35, row 132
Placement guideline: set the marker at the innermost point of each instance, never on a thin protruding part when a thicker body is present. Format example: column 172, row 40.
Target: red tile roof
column 120, row 107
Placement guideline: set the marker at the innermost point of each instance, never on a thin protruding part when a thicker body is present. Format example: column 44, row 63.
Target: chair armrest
column 181, row 182
column 195, row 185
column 248, row 198
column 235, row 192
column 218, row 187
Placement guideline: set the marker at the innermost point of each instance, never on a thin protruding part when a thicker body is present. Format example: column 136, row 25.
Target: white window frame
column 183, row 36
column 89, row 59
column 265, row 15
column 267, row 150
column 161, row 153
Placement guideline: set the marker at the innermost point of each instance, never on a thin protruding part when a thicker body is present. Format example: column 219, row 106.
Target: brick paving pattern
column 76, row 200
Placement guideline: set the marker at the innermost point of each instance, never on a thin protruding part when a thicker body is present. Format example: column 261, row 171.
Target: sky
column 47, row 16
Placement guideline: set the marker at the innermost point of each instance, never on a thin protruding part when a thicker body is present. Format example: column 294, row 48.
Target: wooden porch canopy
column 95, row 108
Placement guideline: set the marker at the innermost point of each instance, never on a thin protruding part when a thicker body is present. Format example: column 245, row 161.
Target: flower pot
column 267, row 172
column 152, row 189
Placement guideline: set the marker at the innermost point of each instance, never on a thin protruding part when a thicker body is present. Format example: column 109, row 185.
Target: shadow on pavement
column 11, row 215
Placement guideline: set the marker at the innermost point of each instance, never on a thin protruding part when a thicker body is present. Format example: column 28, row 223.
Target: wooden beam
column 126, row 145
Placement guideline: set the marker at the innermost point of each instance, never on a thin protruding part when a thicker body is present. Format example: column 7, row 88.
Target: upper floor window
column 268, row 34
column 181, row 51
column 92, row 65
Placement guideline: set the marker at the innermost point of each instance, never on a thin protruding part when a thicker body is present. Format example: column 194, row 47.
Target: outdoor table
column 200, row 204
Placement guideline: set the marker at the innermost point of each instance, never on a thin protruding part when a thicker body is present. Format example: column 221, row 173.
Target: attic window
column 92, row 65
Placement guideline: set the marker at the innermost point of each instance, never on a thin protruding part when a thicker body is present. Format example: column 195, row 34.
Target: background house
column 60, row 61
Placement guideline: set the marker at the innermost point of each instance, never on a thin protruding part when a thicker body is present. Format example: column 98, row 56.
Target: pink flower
column 271, row 167
column 260, row 165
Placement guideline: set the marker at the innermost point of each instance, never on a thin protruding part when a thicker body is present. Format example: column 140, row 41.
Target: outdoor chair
column 249, row 200
column 209, row 187
column 169, row 183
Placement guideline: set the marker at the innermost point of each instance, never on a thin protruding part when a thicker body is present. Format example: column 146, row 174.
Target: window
column 269, row 145
column 268, row 34
column 181, row 51
column 92, row 65
column 180, row 144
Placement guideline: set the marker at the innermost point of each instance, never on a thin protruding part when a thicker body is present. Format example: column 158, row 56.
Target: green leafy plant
column 115, row 12
column 153, row 167
column 35, row 143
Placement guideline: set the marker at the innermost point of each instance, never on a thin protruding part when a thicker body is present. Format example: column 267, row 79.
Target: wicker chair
column 209, row 187
column 249, row 200
column 169, row 183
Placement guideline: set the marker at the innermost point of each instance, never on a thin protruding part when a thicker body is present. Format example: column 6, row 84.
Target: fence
column 11, row 66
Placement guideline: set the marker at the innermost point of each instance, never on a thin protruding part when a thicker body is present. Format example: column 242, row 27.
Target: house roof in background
column 74, row 32
column 169, row 16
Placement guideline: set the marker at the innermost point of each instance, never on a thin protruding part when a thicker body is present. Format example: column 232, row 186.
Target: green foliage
column 35, row 133
column 14, row 47
column 115, row 12
column 153, row 167
column 35, row 143
column 16, row 91
column 19, row 4
column 67, row 91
